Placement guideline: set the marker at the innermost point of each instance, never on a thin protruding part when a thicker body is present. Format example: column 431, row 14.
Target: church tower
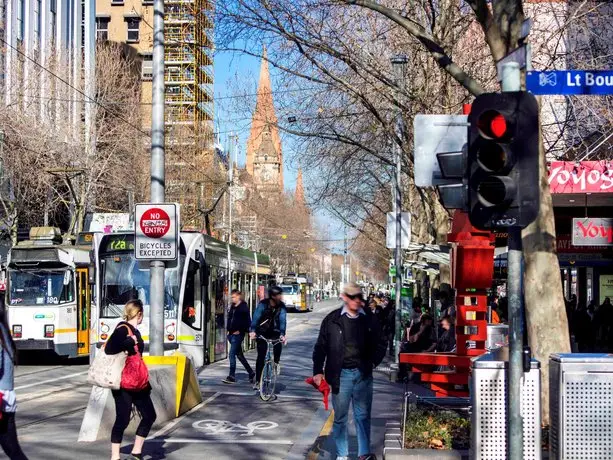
column 264, row 155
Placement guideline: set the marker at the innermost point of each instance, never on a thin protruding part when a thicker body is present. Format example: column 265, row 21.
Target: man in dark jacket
column 239, row 321
column 350, row 345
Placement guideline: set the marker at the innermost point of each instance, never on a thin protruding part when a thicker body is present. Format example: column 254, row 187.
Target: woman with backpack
column 127, row 338
column 8, row 404
column 269, row 321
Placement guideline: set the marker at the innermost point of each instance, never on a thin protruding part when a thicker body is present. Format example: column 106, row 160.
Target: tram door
column 83, row 311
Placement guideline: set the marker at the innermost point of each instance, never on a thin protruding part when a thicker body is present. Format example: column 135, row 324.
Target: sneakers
column 252, row 378
column 229, row 380
column 256, row 386
column 367, row 457
column 277, row 369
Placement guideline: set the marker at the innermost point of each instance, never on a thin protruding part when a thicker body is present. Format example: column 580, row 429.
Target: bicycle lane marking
column 164, row 431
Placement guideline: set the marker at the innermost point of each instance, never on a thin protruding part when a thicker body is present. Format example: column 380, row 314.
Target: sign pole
column 511, row 80
column 156, row 292
column 398, row 63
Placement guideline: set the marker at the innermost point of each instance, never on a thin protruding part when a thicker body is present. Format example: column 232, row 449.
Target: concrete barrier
column 174, row 391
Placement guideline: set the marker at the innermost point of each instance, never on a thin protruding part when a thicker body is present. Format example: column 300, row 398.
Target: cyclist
column 269, row 321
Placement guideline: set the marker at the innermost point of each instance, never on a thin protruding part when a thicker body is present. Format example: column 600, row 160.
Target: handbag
column 106, row 370
column 135, row 375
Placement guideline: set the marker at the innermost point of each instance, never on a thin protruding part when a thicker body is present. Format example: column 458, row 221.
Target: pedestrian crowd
column 590, row 325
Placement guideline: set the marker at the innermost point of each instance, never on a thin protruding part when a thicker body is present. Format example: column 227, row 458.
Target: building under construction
column 192, row 172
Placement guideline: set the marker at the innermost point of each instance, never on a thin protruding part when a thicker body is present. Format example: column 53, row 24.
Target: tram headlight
column 17, row 331
column 49, row 331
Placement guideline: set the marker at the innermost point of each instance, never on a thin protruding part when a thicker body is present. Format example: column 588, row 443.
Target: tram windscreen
column 40, row 287
column 290, row 289
column 123, row 280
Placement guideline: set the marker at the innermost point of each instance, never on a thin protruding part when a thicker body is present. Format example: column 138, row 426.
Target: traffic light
column 502, row 165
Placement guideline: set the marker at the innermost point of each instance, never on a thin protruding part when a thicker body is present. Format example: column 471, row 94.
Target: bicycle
column 268, row 380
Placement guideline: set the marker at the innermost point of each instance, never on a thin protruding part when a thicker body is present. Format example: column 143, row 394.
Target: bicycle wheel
column 267, row 382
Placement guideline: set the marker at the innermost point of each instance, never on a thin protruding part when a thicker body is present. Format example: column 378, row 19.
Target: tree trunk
column 545, row 310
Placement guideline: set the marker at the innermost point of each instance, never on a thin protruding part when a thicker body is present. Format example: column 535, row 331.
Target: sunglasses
column 353, row 297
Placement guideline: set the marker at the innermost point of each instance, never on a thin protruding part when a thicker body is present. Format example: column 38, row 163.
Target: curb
column 393, row 448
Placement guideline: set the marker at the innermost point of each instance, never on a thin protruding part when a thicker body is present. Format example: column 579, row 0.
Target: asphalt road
column 231, row 423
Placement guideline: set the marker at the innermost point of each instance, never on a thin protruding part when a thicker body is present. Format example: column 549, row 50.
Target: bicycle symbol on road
column 220, row 427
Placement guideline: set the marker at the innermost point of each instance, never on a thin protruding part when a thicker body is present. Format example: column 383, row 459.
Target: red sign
column 581, row 177
column 155, row 223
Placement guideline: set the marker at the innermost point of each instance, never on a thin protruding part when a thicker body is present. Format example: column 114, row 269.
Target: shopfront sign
column 591, row 231
column 606, row 287
column 581, row 177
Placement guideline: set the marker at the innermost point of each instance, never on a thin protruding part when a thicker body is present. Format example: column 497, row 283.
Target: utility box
column 581, row 406
column 489, row 399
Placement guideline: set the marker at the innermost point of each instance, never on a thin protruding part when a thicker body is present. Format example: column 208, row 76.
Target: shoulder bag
column 106, row 370
column 135, row 375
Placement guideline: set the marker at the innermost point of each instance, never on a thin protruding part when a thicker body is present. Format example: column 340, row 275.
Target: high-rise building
column 190, row 159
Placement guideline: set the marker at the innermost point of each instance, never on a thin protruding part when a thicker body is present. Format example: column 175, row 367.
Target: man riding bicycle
column 269, row 321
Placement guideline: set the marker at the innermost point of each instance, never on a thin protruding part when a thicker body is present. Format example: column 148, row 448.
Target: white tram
column 48, row 295
column 197, row 290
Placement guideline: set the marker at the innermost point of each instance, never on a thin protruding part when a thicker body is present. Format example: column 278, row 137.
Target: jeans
column 354, row 388
column 236, row 351
column 262, row 347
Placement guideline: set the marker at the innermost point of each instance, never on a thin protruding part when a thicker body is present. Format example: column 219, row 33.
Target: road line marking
column 284, row 442
column 325, row 432
column 279, row 397
column 23, row 387
column 176, row 421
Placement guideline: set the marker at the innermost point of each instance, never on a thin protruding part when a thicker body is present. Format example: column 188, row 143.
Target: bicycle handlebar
column 274, row 342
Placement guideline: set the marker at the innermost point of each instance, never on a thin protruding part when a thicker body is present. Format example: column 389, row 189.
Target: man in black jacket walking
column 239, row 321
column 350, row 345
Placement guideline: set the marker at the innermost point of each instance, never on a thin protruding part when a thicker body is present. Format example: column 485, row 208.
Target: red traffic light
column 492, row 125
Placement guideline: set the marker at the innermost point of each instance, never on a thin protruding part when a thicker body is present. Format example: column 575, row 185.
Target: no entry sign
column 156, row 231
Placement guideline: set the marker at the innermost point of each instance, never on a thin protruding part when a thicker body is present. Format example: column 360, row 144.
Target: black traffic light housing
column 502, row 165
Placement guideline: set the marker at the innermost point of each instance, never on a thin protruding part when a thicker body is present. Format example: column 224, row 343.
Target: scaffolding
column 189, row 103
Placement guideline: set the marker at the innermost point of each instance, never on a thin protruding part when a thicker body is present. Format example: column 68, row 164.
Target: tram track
column 52, row 417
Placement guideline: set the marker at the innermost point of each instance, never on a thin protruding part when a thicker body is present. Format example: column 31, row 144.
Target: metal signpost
column 570, row 82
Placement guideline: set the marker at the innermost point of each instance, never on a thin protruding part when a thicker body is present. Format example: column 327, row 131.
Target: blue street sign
column 568, row 82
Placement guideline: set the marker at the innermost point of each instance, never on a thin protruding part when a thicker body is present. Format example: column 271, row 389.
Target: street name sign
column 570, row 82
column 156, row 231
column 405, row 230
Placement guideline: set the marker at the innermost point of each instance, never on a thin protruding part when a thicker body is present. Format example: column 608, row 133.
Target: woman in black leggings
column 8, row 431
column 120, row 341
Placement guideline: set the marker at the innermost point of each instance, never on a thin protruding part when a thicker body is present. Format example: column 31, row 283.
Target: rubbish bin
column 497, row 336
column 488, row 395
column 581, row 406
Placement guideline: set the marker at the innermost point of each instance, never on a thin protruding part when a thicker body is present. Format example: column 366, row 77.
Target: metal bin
column 488, row 394
column 581, row 406
column 497, row 336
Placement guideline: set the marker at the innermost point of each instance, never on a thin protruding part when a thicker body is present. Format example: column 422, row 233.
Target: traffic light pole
column 511, row 81
column 398, row 63
column 157, row 267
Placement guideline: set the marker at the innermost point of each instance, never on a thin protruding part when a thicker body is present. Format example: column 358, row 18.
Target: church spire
column 264, row 124
column 299, row 194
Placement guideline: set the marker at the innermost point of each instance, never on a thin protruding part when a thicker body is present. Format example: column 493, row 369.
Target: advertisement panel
column 581, row 177
column 592, row 231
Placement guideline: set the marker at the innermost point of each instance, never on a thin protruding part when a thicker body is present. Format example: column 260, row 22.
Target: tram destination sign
column 156, row 231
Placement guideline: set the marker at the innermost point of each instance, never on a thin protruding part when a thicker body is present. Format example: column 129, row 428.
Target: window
column 116, row 2
column 53, row 20
column 102, row 28
column 38, row 20
column 147, row 2
column 21, row 25
column 147, row 67
column 133, row 29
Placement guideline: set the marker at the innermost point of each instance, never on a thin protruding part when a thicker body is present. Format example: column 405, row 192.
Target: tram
column 48, row 294
column 197, row 290
column 297, row 292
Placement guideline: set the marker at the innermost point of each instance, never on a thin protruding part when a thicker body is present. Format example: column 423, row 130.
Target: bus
column 197, row 290
column 297, row 292
column 48, row 294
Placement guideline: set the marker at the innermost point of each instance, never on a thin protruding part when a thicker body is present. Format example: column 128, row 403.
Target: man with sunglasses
column 350, row 345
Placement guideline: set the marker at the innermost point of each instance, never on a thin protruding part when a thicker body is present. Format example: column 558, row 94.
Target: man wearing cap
column 350, row 345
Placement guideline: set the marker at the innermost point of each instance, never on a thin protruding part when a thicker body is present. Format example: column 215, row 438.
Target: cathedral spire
column 264, row 125
column 299, row 194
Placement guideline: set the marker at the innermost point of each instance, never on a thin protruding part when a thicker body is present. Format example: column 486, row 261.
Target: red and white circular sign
column 155, row 223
